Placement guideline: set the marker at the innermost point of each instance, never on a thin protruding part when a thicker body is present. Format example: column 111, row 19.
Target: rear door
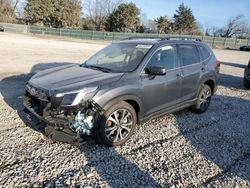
column 191, row 70
column 162, row 92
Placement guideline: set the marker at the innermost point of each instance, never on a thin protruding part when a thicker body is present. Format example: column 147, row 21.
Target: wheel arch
column 134, row 101
column 211, row 84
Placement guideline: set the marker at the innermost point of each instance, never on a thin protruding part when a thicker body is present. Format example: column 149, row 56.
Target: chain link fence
column 218, row 42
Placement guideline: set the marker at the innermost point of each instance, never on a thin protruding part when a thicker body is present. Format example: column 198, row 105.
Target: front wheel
column 117, row 124
column 204, row 99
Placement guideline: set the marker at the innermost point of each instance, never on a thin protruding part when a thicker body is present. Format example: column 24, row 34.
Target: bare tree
column 144, row 18
column 15, row 3
column 233, row 27
column 8, row 10
column 152, row 26
column 99, row 10
column 212, row 31
column 244, row 32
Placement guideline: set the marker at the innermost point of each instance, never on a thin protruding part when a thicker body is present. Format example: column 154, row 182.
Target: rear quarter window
column 205, row 54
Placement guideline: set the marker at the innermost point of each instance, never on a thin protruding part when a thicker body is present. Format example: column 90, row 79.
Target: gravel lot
column 177, row 150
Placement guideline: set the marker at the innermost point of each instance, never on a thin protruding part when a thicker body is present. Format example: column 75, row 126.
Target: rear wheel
column 117, row 125
column 204, row 99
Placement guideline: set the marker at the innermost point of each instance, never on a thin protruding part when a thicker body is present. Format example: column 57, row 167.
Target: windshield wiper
column 103, row 69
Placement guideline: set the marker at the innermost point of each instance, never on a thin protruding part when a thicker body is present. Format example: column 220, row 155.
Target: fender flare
column 205, row 79
column 118, row 99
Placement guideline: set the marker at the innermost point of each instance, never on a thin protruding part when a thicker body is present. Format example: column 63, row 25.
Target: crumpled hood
column 71, row 77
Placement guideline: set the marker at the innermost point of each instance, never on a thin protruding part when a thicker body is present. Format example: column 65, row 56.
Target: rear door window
column 188, row 54
column 205, row 54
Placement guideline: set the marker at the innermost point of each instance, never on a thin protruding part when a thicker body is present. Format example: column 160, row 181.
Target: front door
column 162, row 92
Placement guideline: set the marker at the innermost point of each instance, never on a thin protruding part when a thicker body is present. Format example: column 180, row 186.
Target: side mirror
column 156, row 71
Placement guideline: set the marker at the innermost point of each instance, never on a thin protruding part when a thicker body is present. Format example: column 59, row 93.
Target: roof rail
column 181, row 38
column 142, row 37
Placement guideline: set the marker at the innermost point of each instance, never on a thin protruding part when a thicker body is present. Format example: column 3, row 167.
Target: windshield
column 118, row 57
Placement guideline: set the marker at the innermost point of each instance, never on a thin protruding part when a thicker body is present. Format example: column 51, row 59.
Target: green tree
column 54, row 13
column 67, row 14
column 162, row 24
column 125, row 19
column 184, row 21
column 39, row 12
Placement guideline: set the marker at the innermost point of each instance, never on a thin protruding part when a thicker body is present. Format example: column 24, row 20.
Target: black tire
column 246, row 83
column 204, row 99
column 106, row 123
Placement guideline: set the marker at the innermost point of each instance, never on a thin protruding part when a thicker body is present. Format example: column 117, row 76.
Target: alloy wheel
column 205, row 99
column 119, row 125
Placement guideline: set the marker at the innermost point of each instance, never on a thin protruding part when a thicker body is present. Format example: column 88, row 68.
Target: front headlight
column 75, row 97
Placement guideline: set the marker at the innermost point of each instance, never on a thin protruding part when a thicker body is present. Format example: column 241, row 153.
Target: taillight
column 218, row 65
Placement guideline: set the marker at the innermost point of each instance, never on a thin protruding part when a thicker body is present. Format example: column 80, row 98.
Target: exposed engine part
column 83, row 122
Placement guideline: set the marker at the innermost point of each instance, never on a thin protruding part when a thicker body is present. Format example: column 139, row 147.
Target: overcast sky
column 208, row 12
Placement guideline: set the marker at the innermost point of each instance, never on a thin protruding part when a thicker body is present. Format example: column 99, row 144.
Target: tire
column 204, row 99
column 110, row 129
column 246, row 83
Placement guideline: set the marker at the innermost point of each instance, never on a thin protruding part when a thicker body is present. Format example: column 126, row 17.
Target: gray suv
column 125, row 83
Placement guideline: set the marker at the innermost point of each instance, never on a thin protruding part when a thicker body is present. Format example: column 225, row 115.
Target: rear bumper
column 217, row 80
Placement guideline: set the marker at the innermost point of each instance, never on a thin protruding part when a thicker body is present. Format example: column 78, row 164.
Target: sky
column 207, row 12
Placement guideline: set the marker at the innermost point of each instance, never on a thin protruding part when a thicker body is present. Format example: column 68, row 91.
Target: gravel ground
column 177, row 150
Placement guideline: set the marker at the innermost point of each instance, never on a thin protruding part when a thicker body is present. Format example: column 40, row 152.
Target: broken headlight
column 75, row 97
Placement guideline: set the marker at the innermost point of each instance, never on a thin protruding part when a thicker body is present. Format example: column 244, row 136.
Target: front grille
column 38, row 93
column 35, row 104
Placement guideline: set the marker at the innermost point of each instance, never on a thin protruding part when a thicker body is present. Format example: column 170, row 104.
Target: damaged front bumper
column 63, row 124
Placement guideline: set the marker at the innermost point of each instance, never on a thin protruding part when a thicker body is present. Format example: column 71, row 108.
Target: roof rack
column 181, row 38
column 142, row 37
column 162, row 39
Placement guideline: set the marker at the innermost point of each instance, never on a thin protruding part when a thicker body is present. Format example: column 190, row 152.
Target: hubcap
column 205, row 99
column 118, row 125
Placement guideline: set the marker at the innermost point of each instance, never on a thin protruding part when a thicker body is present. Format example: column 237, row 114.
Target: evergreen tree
column 55, row 13
column 125, row 18
column 184, row 21
column 163, row 24
column 39, row 12
column 68, row 13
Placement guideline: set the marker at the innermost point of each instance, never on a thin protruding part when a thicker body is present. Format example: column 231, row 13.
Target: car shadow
column 129, row 174
column 112, row 168
column 231, row 81
column 12, row 89
column 220, row 135
column 234, row 65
